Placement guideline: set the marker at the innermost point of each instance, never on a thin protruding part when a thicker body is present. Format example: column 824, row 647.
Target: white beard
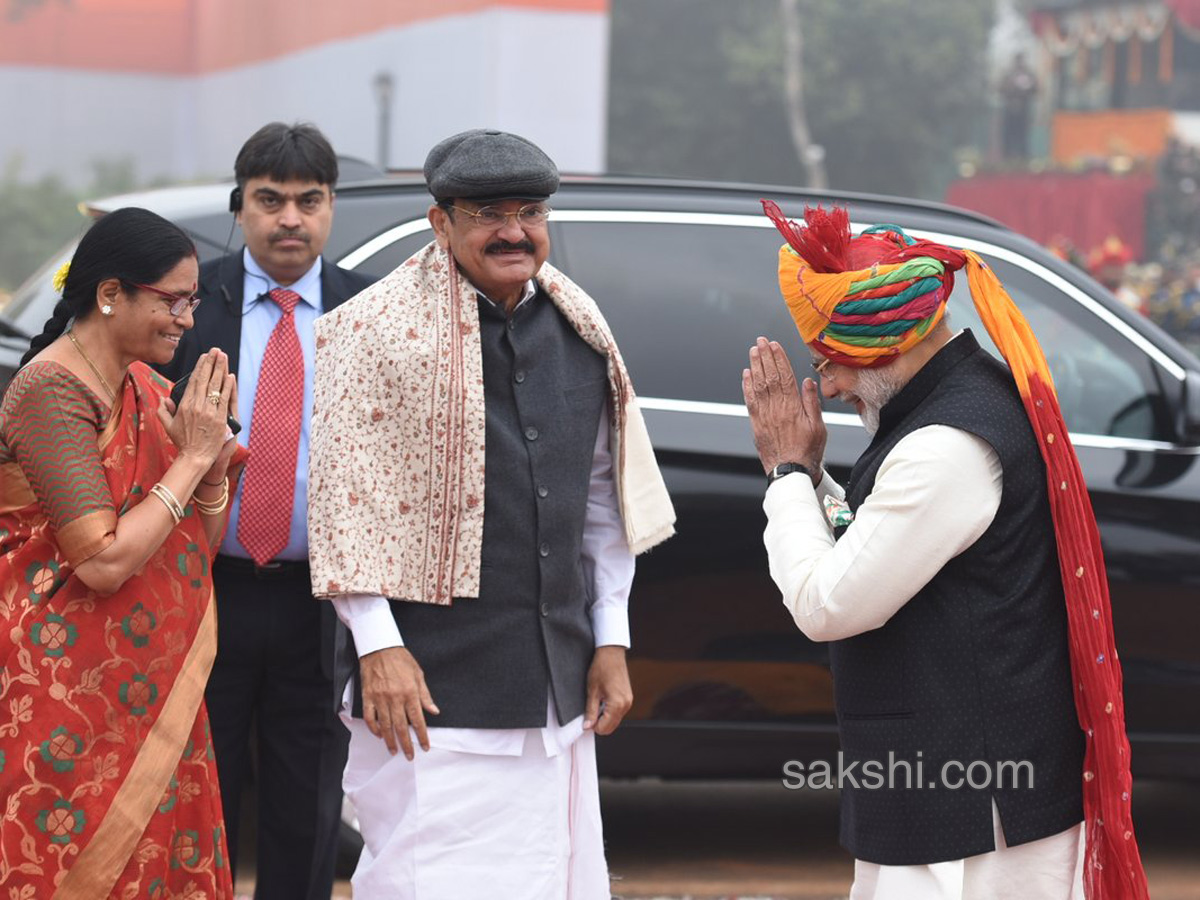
column 875, row 387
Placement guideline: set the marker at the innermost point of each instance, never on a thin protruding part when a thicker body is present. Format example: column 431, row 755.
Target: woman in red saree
column 111, row 504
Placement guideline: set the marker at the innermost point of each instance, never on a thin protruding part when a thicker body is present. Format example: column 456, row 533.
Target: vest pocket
column 585, row 386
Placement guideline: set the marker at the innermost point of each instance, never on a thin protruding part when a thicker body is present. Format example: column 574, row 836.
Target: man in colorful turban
column 958, row 578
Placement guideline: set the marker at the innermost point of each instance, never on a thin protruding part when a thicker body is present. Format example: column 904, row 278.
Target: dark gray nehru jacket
column 976, row 665
column 489, row 661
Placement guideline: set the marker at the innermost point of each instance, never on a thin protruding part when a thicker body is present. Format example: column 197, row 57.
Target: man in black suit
column 273, row 666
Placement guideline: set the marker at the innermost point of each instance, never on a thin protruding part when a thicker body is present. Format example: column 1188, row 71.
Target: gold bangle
column 214, row 510
column 222, row 482
column 163, row 493
column 216, row 507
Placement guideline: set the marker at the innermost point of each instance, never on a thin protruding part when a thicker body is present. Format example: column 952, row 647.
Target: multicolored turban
column 864, row 301
column 861, row 301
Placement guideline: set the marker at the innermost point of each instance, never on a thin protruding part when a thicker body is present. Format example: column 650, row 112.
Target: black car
column 725, row 684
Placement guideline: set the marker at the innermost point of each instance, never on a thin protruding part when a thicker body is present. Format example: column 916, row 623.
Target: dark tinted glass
column 685, row 302
column 1106, row 385
column 395, row 253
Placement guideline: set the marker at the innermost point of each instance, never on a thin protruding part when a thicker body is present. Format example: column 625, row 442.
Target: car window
column 32, row 303
column 388, row 258
column 1105, row 384
column 712, row 289
column 685, row 302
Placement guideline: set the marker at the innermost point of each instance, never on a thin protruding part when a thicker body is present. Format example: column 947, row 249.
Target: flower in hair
column 60, row 277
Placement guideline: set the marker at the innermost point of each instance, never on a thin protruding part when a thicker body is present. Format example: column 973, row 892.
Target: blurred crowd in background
column 1165, row 285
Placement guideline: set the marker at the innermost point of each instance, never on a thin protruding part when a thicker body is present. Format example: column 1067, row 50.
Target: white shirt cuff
column 828, row 487
column 369, row 618
column 611, row 625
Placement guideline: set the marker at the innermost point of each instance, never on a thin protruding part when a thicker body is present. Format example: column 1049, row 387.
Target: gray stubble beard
column 875, row 388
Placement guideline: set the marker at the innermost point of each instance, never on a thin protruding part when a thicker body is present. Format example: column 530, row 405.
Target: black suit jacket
column 218, row 323
column 218, row 318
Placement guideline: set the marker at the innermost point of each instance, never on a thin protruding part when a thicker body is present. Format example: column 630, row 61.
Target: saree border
column 112, row 425
column 82, row 538
column 107, row 854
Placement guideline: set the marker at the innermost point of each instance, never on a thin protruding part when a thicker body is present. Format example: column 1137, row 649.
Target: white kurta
column 1049, row 869
column 935, row 494
column 491, row 812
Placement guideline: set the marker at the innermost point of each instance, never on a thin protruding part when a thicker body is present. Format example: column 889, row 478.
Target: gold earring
column 106, row 310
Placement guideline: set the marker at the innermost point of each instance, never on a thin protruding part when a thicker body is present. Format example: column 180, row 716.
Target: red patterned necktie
column 265, row 519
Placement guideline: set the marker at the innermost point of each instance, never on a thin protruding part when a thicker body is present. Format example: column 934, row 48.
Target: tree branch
column 810, row 156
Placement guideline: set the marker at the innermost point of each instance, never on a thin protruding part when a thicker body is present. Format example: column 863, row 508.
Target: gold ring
column 214, row 397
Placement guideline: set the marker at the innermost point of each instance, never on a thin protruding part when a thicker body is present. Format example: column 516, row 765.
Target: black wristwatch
column 787, row 469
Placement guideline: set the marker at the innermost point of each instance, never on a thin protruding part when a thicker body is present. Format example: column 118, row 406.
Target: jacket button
column 519, row 376
column 545, row 610
column 542, row 490
column 544, row 549
column 511, row 324
column 531, row 433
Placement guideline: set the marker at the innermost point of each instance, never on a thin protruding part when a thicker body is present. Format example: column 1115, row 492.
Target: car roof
column 185, row 201
column 383, row 199
column 181, row 202
column 664, row 186
column 203, row 210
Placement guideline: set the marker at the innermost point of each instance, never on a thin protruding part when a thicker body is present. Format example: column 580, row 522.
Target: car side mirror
column 1189, row 412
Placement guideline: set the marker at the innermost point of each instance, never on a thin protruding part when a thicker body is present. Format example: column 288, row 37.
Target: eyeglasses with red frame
column 178, row 305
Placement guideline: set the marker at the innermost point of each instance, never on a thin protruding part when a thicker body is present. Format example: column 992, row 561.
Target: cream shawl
column 396, row 459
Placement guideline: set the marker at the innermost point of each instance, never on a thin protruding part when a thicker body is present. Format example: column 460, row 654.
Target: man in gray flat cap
column 481, row 479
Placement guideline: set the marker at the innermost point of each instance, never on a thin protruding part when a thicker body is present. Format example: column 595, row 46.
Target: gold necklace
column 112, row 395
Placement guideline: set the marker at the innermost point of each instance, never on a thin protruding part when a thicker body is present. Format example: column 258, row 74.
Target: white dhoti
column 1048, row 869
column 453, row 825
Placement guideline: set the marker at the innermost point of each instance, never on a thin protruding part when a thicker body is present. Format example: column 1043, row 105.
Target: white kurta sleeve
column 827, row 487
column 607, row 560
column 369, row 618
column 935, row 494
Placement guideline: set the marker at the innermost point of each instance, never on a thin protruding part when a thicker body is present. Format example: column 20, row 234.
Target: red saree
column 108, row 786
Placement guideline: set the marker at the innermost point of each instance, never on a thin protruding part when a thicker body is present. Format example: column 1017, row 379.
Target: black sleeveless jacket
column 975, row 666
column 488, row 661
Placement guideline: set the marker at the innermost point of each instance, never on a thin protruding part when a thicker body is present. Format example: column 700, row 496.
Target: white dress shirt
column 935, row 494
column 607, row 561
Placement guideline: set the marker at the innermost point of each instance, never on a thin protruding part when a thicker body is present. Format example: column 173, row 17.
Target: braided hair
column 130, row 244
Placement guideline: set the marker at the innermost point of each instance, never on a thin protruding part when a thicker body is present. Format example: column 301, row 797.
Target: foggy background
column 1090, row 143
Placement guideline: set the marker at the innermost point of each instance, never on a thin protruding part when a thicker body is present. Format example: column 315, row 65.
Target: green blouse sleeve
column 50, row 424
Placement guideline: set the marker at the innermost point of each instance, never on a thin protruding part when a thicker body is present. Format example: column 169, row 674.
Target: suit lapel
column 334, row 290
column 224, row 326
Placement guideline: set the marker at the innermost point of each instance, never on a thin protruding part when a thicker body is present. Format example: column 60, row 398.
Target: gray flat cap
column 483, row 164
